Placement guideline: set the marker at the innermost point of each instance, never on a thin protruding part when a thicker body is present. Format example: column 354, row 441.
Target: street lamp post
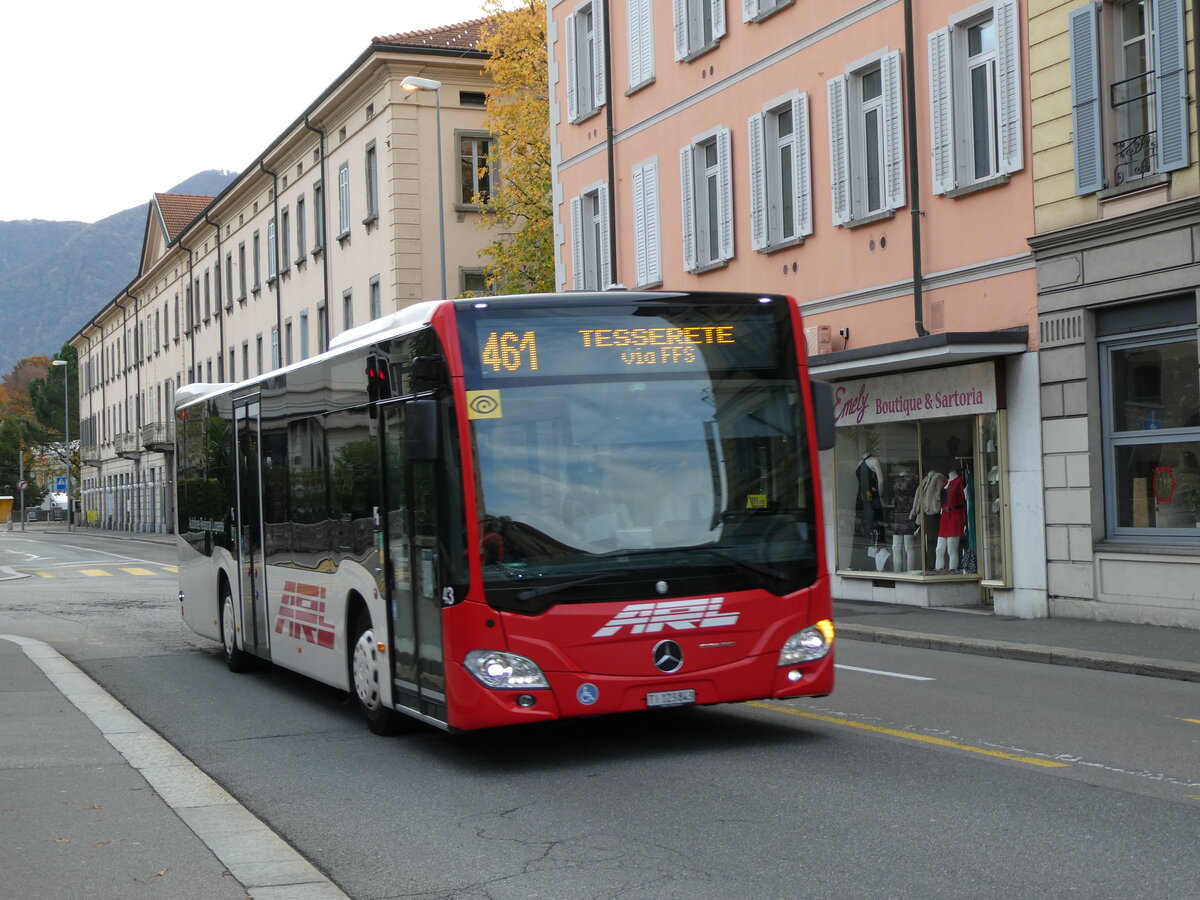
column 416, row 83
column 66, row 430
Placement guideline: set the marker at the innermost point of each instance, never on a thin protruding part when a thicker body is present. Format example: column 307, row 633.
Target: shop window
column 1152, row 434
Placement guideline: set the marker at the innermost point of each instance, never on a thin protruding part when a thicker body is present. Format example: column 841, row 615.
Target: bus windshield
column 638, row 451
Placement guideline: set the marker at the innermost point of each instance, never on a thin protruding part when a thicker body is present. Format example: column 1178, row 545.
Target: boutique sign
column 909, row 396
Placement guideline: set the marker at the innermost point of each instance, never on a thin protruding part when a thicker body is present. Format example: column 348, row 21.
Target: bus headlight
column 812, row 643
column 502, row 671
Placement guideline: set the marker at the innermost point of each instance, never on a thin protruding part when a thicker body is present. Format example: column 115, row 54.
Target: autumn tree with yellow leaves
column 519, row 207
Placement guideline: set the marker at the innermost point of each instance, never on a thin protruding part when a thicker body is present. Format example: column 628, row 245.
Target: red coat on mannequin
column 954, row 509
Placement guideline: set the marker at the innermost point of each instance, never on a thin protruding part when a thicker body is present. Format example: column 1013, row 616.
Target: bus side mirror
column 822, row 397
column 421, row 430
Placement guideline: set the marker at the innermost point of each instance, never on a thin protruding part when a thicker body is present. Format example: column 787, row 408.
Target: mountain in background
column 54, row 276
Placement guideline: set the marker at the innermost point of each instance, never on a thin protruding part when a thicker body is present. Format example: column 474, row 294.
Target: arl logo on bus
column 682, row 615
column 302, row 614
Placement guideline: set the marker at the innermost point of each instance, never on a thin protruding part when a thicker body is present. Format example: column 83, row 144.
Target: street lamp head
column 59, row 362
column 417, row 83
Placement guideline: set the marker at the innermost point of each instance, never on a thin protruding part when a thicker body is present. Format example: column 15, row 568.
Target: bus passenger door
column 414, row 594
column 253, row 584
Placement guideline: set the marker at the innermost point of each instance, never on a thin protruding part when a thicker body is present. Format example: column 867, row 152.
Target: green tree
column 47, row 399
column 520, row 206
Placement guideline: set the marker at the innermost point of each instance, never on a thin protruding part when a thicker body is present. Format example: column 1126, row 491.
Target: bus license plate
column 670, row 698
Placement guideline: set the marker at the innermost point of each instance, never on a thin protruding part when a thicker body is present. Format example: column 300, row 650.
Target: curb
column 7, row 573
column 1084, row 659
column 261, row 861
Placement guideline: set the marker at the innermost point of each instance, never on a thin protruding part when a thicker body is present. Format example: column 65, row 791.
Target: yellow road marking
column 133, row 570
column 913, row 736
column 94, row 572
column 44, row 575
column 171, row 568
column 1193, row 721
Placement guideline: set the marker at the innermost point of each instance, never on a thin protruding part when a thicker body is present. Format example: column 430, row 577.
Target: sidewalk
column 1113, row 646
column 97, row 805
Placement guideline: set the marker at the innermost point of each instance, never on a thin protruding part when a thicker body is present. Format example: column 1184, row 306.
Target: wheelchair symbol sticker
column 587, row 694
column 484, row 405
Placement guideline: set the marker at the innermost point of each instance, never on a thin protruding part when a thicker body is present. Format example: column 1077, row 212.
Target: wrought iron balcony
column 159, row 436
column 1134, row 158
column 128, row 445
column 90, row 455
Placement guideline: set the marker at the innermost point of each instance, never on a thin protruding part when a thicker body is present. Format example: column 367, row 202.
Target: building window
column 301, row 230
column 640, row 19
column 647, row 240
column 590, row 264
column 275, row 357
column 706, row 189
column 347, row 310
column 258, row 351
column 229, row 280
column 866, row 140
column 1130, row 106
column 242, row 271
column 699, row 25
column 304, row 334
column 272, row 254
column 217, row 287
column 473, row 282
column 343, row 200
column 257, row 263
column 375, row 297
column 207, row 297
column 1151, row 427
column 322, row 327
column 285, row 238
column 975, row 102
column 245, row 359
column 780, row 173
column 585, row 61
column 372, row 179
column 757, row 10
column 232, row 364
column 474, row 169
column 287, row 341
column 318, row 217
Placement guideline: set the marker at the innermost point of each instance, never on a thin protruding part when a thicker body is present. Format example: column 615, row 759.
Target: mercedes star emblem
column 668, row 656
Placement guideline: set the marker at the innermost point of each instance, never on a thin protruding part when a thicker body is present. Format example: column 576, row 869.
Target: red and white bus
column 516, row 509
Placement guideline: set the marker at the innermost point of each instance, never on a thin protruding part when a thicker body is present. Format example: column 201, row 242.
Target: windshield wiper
column 534, row 593
column 756, row 567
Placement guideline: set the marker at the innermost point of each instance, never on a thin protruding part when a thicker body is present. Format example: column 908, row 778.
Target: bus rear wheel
column 368, row 669
column 236, row 659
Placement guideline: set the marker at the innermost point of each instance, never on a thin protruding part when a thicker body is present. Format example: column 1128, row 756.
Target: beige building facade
column 1117, row 192
column 812, row 149
column 342, row 219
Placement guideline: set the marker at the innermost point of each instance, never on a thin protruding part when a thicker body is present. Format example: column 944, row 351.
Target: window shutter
column 1085, row 100
column 941, row 111
column 718, row 19
column 749, row 10
column 893, row 130
column 599, row 39
column 755, row 128
column 604, row 251
column 639, row 225
column 576, row 244
column 725, row 178
column 1170, row 64
column 839, row 147
column 641, row 42
column 1009, row 127
column 572, row 88
column 802, row 163
column 681, row 35
column 653, row 234
column 687, row 195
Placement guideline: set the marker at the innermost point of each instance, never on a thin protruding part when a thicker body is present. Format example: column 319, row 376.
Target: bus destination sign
column 535, row 346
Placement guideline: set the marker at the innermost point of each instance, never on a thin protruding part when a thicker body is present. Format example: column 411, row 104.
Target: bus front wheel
column 236, row 659
column 368, row 670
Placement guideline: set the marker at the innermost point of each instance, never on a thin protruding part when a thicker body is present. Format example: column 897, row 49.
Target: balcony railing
column 127, row 444
column 1134, row 158
column 1133, row 101
column 159, row 436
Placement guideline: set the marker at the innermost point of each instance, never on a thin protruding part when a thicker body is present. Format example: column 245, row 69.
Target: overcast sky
column 107, row 103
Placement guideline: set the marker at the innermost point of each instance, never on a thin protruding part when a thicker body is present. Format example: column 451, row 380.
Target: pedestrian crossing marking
column 45, row 575
column 171, row 568
column 95, row 572
column 133, row 570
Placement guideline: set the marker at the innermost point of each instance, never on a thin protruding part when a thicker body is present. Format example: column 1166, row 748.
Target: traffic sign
column 22, row 484
column 60, row 482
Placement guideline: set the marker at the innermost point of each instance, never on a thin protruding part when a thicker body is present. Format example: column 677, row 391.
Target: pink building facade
column 884, row 182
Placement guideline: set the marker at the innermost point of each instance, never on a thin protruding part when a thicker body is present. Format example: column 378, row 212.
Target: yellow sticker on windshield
column 483, row 405
column 756, row 501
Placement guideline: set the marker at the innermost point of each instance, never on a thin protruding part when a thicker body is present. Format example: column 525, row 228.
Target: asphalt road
column 926, row 774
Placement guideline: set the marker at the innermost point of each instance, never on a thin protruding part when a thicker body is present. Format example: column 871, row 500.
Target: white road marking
column 888, row 674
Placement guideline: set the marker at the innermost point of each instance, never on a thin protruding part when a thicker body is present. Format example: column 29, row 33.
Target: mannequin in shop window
column 904, row 520
column 869, row 504
column 953, row 523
